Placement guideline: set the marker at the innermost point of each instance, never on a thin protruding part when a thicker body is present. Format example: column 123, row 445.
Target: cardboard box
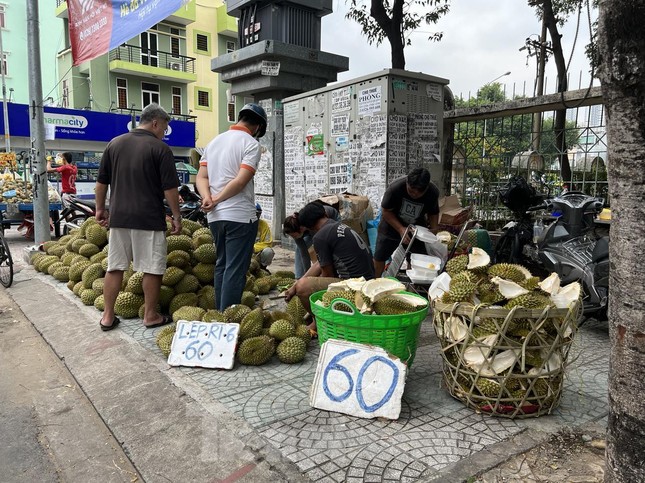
column 451, row 212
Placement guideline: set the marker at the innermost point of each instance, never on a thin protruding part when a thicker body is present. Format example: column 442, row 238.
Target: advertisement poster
column 97, row 27
column 315, row 144
column 369, row 100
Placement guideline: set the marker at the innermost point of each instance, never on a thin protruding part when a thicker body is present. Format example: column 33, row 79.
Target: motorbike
column 75, row 212
column 189, row 206
column 566, row 245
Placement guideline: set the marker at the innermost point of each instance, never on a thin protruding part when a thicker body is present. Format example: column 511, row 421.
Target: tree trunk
column 621, row 43
column 560, row 120
column 392, row 28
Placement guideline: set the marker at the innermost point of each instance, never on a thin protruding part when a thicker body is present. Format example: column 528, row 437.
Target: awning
column 185, row 167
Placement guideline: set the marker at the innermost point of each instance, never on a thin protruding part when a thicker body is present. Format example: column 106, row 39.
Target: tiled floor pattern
column 433, row 430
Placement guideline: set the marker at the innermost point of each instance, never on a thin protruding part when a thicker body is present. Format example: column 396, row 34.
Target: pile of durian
column 380, row 296
column 187, row 293
column 499, row 361
column 474, row 280
column 17, row 191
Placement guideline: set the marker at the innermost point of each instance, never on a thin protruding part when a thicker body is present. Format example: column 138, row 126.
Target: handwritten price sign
column 359, row 380
column 204, row 344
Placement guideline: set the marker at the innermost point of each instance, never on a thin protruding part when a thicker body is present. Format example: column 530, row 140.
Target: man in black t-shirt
column 409, row 200
column 139, row 170
column 341, row 252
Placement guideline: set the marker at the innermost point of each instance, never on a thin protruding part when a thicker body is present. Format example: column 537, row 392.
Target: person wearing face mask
column 409, row 200
column 225, row 182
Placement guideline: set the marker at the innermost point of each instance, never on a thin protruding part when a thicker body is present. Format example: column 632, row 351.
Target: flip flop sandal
column 165, row 319
column 115, row 321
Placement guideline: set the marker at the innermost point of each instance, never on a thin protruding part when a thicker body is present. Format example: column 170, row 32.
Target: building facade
column 13, row 21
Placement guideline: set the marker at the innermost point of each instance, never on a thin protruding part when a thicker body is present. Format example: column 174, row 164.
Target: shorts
column 145, row 248
column 385, row 247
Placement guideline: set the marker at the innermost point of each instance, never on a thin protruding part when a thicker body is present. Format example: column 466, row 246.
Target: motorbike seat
column 600, row 250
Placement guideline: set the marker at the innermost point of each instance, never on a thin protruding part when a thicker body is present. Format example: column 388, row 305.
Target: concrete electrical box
column 360, row 135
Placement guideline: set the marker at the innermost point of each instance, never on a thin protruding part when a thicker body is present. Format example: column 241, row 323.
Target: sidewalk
column 255, row 423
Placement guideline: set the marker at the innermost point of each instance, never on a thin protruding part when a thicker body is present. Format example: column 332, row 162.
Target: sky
column 481, row 41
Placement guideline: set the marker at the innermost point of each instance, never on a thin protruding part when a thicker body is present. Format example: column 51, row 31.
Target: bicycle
column 6, row 262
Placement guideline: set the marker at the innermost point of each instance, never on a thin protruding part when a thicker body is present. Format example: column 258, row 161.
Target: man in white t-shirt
column 225, row 182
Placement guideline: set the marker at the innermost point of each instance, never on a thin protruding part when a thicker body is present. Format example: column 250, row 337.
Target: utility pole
column 537, row 116
column 37, row 127
column 5, row 108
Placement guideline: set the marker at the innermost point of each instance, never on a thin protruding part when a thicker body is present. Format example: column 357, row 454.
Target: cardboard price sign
column 204, row 344
column 359, row 380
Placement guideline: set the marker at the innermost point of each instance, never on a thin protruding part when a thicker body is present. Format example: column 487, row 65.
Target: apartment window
column 149, row 93
column 176, row 100
column 230, row 109
column 230, row 46
column 203, row 98
column 174, row 42
column 149, row 52
column 2, row 10
column 65, row 102
column 4, row 66
column 122, row 93
column 202, row 42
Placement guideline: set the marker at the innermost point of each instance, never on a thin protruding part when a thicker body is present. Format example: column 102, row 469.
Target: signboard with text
column 91, row 125
column 96, row 26
column 359, row 380
column 204, row 344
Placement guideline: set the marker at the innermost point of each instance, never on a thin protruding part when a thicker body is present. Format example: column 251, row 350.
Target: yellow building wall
column 211, row 120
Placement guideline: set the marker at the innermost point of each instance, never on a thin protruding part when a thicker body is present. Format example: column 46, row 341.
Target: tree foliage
column 394, row 20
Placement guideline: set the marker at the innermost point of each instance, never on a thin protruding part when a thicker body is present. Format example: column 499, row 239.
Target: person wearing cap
column 409, row 200
column 225, row 182
column 262, row 248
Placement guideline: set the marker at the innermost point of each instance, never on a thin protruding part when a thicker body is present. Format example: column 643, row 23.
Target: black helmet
column 257, row 113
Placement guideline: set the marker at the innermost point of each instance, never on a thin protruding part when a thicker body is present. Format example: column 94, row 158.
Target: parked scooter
column 75, row 212
column 566, row 245
column 190, row 206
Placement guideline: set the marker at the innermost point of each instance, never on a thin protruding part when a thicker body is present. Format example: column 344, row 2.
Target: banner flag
column 97, row 26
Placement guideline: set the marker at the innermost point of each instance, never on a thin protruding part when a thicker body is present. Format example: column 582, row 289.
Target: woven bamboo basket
column 507, row 363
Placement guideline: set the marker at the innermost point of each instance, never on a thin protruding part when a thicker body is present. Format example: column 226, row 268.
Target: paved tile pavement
column 433, row 431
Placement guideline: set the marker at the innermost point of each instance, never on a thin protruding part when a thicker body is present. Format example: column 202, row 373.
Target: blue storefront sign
column 90, row 125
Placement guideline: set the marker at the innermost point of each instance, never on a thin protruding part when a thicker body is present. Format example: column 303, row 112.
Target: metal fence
column 487, row 152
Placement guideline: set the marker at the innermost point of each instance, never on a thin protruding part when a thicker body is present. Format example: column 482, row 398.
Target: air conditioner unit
column 175, row 65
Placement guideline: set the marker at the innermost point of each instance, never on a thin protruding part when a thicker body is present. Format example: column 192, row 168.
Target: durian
column 291, row 350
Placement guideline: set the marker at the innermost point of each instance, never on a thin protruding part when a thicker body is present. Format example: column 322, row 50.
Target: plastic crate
column 397, row 334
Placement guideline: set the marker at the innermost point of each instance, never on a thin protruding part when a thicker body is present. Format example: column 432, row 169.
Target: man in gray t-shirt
column 341, row 252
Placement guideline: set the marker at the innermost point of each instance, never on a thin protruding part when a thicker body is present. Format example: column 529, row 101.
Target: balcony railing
column 173, row 114
column 153, row 58
column 60, row 2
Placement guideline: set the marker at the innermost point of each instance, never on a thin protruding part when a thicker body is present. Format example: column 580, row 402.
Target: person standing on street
column 139, row 169
column 409, row 200
column 225, row 182
column 68, row 172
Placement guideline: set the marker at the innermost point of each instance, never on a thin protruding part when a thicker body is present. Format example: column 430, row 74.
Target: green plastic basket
column 397, row 334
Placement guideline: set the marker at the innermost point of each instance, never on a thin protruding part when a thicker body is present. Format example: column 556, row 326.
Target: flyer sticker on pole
column 359, row 380
column 204, row 344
